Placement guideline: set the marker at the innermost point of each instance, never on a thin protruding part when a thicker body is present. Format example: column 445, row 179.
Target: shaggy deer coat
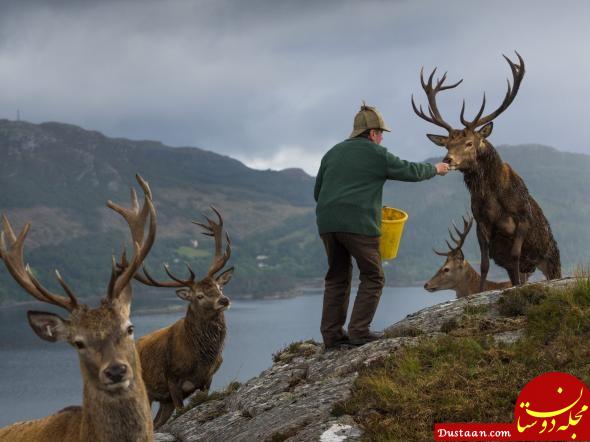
column 179, row 359
column 456, row 273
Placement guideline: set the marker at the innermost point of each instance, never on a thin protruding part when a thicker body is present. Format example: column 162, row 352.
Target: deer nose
column 115, row 372
column 224, row 301
column 426, row 286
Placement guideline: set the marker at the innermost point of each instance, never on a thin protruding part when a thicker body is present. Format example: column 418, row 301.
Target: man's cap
column 367, row 118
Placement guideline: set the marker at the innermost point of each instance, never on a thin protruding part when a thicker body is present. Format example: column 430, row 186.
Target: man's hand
column 442, row 168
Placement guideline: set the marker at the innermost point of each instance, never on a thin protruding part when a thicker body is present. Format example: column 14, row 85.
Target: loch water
column 38, row 378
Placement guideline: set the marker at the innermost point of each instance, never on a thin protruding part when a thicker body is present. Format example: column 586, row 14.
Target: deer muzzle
column 223, row 303
column 116, row 375
column 429, row 287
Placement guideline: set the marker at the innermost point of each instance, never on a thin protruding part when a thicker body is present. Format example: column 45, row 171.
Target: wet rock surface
column 293, row 400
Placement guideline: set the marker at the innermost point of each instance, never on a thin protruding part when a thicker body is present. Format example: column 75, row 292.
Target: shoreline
column 301, row 290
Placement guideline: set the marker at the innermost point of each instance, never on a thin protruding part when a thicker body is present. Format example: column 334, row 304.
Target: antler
column 517, row 76
column 147, row 279
column 467, row 223
column 212, row 229
column 13, row 258
column 136, row 218
column 216, row 231
column 431, row 92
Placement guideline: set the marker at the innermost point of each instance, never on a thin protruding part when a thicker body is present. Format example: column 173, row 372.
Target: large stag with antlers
column 182, row 358
column 511, row 227
column 115, row 404
column 456, row 273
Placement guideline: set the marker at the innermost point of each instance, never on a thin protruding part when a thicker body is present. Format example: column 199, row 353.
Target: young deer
column 115, row 402
column 456, row 273
column 511, row 227
column 183, row 357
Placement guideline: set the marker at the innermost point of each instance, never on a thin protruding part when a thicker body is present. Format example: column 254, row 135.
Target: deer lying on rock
column 511, row 227
column 183, row 357
column 115, row 404
column 456, row 273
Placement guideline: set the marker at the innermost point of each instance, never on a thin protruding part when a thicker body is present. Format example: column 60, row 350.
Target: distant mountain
column 60, row 176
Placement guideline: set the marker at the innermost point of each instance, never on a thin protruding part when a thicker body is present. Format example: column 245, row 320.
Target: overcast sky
column 276, row 83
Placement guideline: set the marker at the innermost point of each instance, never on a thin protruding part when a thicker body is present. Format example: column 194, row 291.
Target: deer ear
column 439, row 140
column 49, row 326
column 225, row 277
column 486, row 130
column 184, row 294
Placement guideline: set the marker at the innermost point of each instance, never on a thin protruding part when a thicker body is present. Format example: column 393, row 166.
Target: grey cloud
column 247, row 78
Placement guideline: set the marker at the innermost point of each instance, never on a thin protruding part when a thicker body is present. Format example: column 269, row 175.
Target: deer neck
column 470, row 283
column 486, row 173
column 124, row 417
column 205, row 332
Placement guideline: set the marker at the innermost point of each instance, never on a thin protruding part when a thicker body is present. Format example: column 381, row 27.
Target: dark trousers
column 340, row 248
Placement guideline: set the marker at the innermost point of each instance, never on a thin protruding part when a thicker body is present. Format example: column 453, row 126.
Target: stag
column 456, row 273
column 179, row 359
column 115, row 402
column 511, row 226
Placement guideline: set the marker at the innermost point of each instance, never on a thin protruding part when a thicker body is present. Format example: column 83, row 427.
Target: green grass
column 291, row 351
column 191, row 252
column 516, row 302
column 472, row 379
column 475, row 310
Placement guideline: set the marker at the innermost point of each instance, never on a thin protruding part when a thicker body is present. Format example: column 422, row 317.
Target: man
column 348, row 191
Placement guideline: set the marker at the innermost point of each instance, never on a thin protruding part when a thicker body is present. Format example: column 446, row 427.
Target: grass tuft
column 291, row 351
column 403, row 331
column 517, row 301
column 476, row 309
column 449, row 325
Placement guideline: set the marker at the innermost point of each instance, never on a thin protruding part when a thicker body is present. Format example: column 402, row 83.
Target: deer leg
column 485, row 256
column 176, row 394
column 513, row 275
column 164, row 412
column 521, row 229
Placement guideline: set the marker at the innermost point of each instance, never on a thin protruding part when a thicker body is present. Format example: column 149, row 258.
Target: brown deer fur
column 456, row 273
column 511, row 227
column 115, row 401
column 183, row 357
column 462, row 278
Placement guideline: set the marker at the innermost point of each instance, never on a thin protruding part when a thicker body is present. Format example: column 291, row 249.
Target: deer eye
column 79, row 344
column 446, row 270
column 130, row 330
column 200, row 296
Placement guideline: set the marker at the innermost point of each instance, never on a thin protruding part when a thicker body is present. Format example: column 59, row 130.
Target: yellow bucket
column 392, row 227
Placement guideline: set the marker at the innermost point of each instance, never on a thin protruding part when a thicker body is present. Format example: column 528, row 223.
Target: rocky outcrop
column 294, row 400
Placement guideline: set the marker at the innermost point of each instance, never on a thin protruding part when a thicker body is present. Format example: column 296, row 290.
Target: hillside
column 59, row 177
column 464, row 360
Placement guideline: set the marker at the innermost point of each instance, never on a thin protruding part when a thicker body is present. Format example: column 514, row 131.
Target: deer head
column 103, row 337
column 454, row 271
column 206, row 294
column 464, row 145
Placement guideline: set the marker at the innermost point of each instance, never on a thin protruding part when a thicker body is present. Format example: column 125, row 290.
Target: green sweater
column 349, row 185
